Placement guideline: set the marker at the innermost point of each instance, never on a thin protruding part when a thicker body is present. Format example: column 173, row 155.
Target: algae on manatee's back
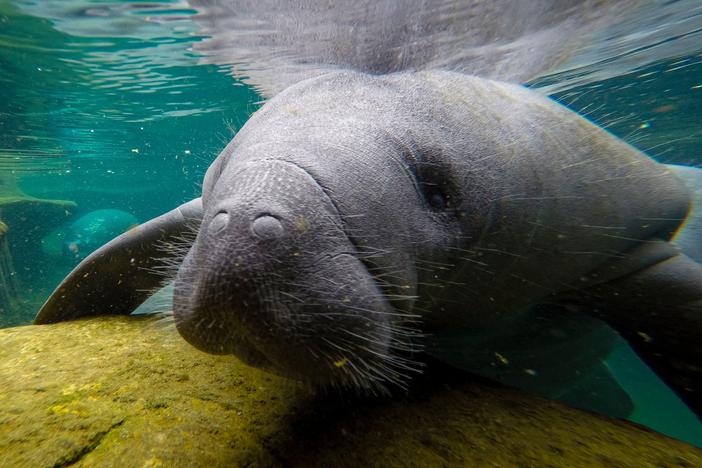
column 128, row 391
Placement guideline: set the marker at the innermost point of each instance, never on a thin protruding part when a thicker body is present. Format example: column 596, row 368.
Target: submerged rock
column 128, row 391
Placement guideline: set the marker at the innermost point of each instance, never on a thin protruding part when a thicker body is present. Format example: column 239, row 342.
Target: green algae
column 128, row 391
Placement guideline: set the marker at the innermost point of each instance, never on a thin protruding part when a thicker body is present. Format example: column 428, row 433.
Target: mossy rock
column 128, row 391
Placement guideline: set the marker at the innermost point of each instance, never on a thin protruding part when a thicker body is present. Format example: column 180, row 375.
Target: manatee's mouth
column 246, row 351
column 344, row 340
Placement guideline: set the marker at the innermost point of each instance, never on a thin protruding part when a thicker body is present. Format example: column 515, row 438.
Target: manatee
column 90, row 231
column 362, row 219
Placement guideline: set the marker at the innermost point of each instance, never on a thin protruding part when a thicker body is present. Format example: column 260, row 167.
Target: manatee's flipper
column 120, row 275
column 658, row 310
column 689, row 237
column 599, row 391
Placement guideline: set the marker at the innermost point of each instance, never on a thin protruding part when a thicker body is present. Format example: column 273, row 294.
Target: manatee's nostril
column 219, row 222
column 267, row 227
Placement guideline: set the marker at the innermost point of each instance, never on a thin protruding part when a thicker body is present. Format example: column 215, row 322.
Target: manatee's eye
column 435, row 189
column 437, row 200
column 433, row 180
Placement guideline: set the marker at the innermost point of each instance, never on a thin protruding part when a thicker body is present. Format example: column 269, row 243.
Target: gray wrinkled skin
column 399, row 205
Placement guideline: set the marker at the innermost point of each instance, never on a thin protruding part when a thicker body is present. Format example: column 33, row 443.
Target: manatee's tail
column 120, row 275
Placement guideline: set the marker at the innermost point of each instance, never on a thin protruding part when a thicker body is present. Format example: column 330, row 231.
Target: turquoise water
column 130, row 118
column 120, row 122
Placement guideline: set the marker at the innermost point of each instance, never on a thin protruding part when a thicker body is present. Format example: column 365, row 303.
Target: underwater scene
column 112, row 112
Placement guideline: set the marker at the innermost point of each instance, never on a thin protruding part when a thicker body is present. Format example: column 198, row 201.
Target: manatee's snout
column 217, row 299
column 273, row 278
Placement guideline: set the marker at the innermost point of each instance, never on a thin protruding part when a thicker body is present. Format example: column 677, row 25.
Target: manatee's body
column 530, row 197
column 357, row 219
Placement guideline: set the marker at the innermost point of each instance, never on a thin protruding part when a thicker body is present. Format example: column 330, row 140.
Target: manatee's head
column 273, row 278
column 329, row 225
